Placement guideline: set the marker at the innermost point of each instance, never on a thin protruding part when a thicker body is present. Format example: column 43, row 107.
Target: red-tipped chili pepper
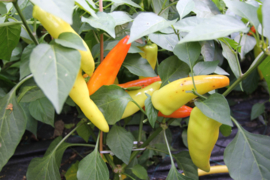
column 181, row 112
column 140, row 82
column 107, row 71
column 252, row 29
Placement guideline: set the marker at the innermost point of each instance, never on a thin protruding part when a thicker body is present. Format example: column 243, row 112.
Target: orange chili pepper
column 181, row 112
column 107, row 71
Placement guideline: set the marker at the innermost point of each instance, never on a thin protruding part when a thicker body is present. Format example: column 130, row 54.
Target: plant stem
column 168, row 146
column 16, row 22
column 155, row 133
column 24, row 22
column 110, row 161
column 81, row 144
column 140, row 128
column 260, row 58
column 162, row 11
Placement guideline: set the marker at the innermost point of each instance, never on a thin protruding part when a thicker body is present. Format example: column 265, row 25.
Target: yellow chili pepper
column 173, row 95
column 55, row 26
column 150, row 53
column 202, row 135
column 80, row 95
column 139, row 97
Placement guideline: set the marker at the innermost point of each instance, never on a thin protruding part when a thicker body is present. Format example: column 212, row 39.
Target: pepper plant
column 196, row 45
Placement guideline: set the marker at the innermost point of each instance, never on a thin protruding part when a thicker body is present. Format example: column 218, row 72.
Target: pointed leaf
column 85, row 6
column 205, row 68
column 151, row 112
column 175, row 175
column 184, row 7
column 12, row 126
column 247, row 44
column 138, row 66
column 120, row 17
column 60, row 8
column 70, row 40
column 42, row 110
column 188, row 52
column 160, row 5
column 9, row 38
column 244, row 10
column 112, row 101
column 103, row 21
column 247, row 156
column 139, row 171
column 185, row 163
column 216, row 107
column 117, row 3
column 71, row 173
column 188, row 24
column 25, row 59
column 120, row 142
column 172, row 69
column 257, row 110
column 211, row 28
column 165, row 41
column 266, row 15
column 147, row 23
column 55, row 69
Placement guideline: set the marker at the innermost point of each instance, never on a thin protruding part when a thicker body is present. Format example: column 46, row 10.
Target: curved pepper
column 139, row 97
column 252, row 29
column 181, row 112
column 80, row 95
column 107, row 71
column 150, row 53
column 140, row 82
column 173, row 95
column 202, row 134
column 55, row 26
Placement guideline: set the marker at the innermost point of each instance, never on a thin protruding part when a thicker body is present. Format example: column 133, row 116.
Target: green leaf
column 247, row 44
column 244, row 10
column 12, row 126
column 47, row 167
column 30, row 93
column 70, row 40
column 172, row 69
column 231, row 43
column 138, row 66
column 60, row 8
column 188, row 52
column 221, row 71
column 151, row 112
column 120, row 142
column 120, row 17
column 211, row 28
column 84, row 130
column 3, row 9
column 139, row 171
column 216, row 107
column 117, row 3
column 112, row 101
column 225, row 130
column 25, row 58
column 85, row 6
column 204, row 9
column 93, row 167
column 184, row 7
column 247, row 156
column 160, row 5
column 230, row 55
column 208, row 50
column 188, row 24
column 266, row 14
column 184, row 137
column 2, row 93
column 71, row 173
column 185, row 163
column 42, row 110
column 55, row 69
column 103, row 21
column 165, row 41
column 9, row 38
column 31, row 124
column 257, row 110
column 146, row 23
column 175, row 175
column 265, row 69
column 205, row 68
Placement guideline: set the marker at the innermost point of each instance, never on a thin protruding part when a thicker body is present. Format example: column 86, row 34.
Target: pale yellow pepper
column 55, row 26
column 173, row 95
column 139, row 97
column 80, row 95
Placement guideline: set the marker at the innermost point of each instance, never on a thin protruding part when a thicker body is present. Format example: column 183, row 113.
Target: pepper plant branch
column 146, row 143
column 168, row 146
column 140, row 128
column 261, row 57
column 110, row 161
column 16, row 22
column 15, row 4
